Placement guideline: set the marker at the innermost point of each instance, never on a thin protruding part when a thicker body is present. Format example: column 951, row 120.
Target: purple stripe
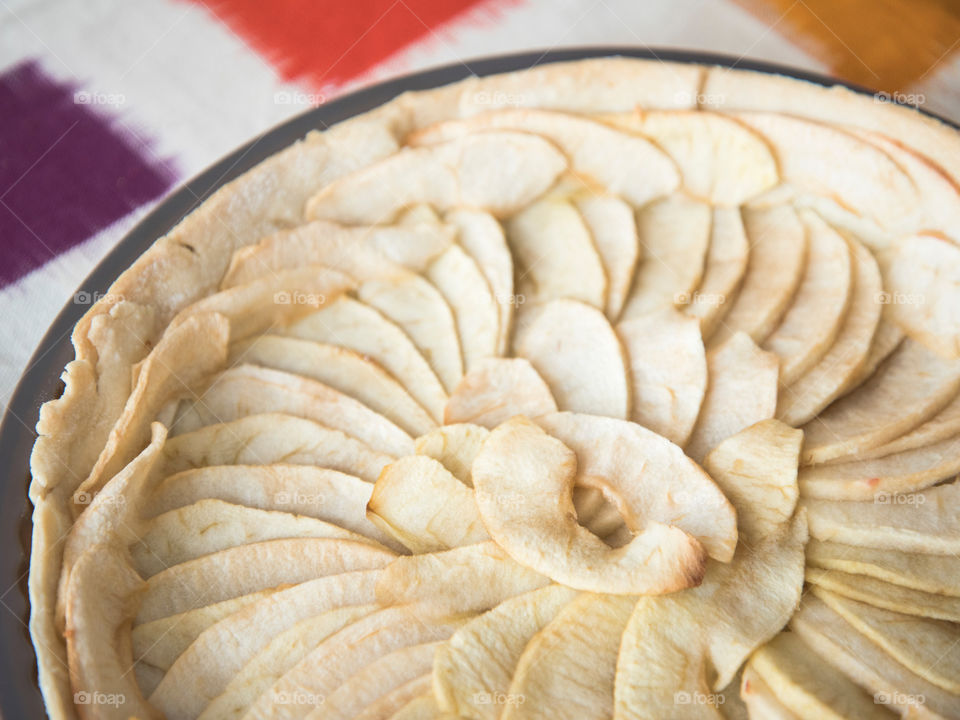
column 66, row 169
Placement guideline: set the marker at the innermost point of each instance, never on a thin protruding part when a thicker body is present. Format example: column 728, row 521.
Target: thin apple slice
column 361, row 252
column 377, row 679
column 911, row 386
column 823, row 160
column 569, row 665
column 888, row 338
column 160, row 642
column 468, row 579
column 248, row 390
column 726, row 266
column 211, row 525
column 892, row 475
column 281, row 653
column 269, row 438
column 812, row 689
column 922, row 276
column 185, row 357
column 578, row 354
column 482, row 237
column 422, row 312
column 207, row 667
column 651, row 478
column 722, row 162
column 454, row 446
column 881, row 594
column 674, row 235
column 554, row 255
column 693, row 642
column 313, row 492
column 846, row 649
column 614, row 230
column 420, row 503
column 497, row 171
column 358, row 327
column 469, row 295
column 478, row 662
column 328, row 666
column 668, row 370
column 930, row 648
column 101, row 602
column 495, row 390
column 624, row 164
column 742, row 383
column 930, row 524
column 939, row 574
column 811, row 392
column 778, row 257
column 404, row 702
column 345, row 370
column 524, row 479
column 249, row 568
column 811, row 323
column 760, row 700
column 943, row 425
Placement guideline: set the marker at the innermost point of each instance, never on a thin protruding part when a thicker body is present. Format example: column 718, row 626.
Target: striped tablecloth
column 106, row 105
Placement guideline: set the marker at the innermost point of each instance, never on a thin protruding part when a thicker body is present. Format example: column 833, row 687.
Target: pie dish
column 607, row 388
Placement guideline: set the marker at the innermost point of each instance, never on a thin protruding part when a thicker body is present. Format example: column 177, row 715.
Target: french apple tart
column 604, row 389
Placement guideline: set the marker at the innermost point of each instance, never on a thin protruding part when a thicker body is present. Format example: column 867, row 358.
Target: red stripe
column 324, row 43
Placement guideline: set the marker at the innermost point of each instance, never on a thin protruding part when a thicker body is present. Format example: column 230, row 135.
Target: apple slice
column 921, row 275
column 653, row 481
column 475, row 311
column 220, row 653
column 811, row 688
column 482, row 237
column 668, row 370
column 741, row 390
column 841, row 645
column 833, row 373
column 624, row 164
column 760, row 700
column 930, row 648
column 248, row 390
column 495, row 390
column 279, row 655
column 887, row 339
column 358, row 327
column 497, row 171
column 211, row 525
column 614, row 230
column 455, row 447
column 939, row 574
column 344, row 370
column 578, row 354
column 674, row 235
column 422, row 312
column 554, row 255
column 778, row 251
column 726, row 265
column 478, row 662
column 881, row 594
column 361, row 252
column 268, row 438
column 722, row 162
column 248, row 568
column 569, row 665
column 943, row 425
column 410, row 701
column 101, row 601
column 911, row 386
column 892, row 475
column 421, row 504
column 816, row 314
column 930, row 526
column 524, row 479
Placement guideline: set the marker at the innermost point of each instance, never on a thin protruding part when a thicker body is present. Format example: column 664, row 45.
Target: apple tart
column 611, row 388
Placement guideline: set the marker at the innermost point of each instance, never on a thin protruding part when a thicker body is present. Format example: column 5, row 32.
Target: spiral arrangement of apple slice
column 560, row 412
